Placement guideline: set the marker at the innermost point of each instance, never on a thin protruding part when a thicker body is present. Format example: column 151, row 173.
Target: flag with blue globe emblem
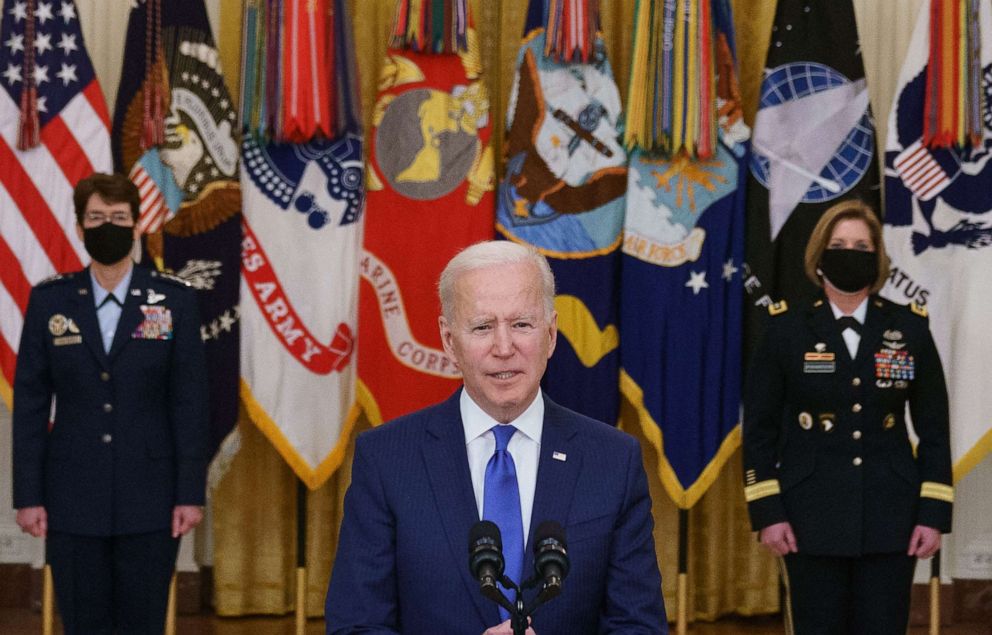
column 813, row 146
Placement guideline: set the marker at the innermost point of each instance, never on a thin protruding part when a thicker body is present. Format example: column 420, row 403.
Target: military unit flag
column 681, row 286
column 813, row 146
column 430, row 182
column 938, row 232
column 563, row 193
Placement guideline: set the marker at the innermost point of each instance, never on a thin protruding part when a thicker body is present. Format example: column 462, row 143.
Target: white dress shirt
column 109, row 314
column 851, row 338
column 524, row 447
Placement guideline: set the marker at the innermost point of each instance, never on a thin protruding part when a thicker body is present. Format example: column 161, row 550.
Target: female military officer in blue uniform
column 120, row 475
column 831, row 479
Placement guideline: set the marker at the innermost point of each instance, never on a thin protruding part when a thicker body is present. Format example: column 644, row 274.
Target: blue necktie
column 501, row 505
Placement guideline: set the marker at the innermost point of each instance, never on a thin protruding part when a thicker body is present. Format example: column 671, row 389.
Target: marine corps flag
column 682, row 284
column 299, row 255
column 430, row 182
column 938, row 232
column 175, row 134
column 813, row 146
column 563, row 193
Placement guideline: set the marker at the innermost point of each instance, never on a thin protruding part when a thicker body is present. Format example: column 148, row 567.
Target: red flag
column 430, row 182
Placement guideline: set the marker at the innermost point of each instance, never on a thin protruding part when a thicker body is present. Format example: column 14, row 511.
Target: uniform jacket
column 129, row 439
column 402, row 559
column 825, row 441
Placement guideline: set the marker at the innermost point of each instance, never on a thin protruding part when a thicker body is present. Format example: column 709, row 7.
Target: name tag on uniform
column 157, row 324
column 819, row 362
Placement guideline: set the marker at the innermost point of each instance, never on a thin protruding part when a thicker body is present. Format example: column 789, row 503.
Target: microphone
column 485, row 560
column 550, row 558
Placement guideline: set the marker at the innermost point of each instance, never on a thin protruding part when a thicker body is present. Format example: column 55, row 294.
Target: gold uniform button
column 856, row 408
column 106, row 438
column 108, row 407
column 856, row 435
column 856, row 381
column 856, row 461
column 105, row 376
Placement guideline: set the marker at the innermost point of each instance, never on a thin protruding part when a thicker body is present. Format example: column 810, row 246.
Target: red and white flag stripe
column 37, row 221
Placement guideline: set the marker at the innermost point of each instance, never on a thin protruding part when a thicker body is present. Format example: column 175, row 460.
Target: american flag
column 37, row 223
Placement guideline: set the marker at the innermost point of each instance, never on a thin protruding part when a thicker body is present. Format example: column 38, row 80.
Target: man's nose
column 502, row 341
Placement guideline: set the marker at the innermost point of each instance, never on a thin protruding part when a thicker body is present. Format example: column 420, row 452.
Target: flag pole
column 301, row 557
column 47, row 598
column 170, row 611
column 935, row 594
column 683, row 591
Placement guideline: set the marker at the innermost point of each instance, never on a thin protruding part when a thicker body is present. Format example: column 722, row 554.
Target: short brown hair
column 112, row 188
column 851, row 209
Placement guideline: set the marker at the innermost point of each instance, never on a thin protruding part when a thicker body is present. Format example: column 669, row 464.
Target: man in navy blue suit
column 120, row 475
column 497, row 449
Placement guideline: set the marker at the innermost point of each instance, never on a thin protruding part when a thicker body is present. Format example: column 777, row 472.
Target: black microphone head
column 550, row 550
column 485, row 550
column 485, row 529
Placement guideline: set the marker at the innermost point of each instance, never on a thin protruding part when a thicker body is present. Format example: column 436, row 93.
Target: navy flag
column 813, row 145
column 175, row 134
column 563, row 193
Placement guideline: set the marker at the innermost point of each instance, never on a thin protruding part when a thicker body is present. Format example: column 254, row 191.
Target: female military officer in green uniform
column 831, row 479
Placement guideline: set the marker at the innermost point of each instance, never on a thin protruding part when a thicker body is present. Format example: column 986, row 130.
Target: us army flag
column 175, row 135
column 938, row 232
column 430, row 182
column 813, row 146
column 682, row 294
column 302, row 236
column 563, row 193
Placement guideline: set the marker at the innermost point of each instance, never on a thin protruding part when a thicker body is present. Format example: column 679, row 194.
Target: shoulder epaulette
column 59, row 277
column 777, row 308
column 918, row 309
column 169, row 277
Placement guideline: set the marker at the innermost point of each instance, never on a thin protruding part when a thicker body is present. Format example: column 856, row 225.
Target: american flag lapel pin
column 559, row 456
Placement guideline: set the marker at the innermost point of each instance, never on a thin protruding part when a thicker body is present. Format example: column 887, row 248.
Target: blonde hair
column 488, row 254
column 851, row 209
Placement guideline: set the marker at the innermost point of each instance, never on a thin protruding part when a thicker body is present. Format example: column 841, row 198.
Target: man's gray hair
column 492, row 253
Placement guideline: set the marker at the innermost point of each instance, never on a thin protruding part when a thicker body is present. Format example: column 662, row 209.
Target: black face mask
column 108, row 243
column 849, row 270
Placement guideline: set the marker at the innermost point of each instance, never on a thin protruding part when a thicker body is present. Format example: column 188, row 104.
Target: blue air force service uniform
column 129, row 438
column 826, row 448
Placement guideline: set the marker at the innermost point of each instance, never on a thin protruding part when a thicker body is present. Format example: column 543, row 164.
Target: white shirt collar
column 120, row 291
column 476, row 422
column 859, row 313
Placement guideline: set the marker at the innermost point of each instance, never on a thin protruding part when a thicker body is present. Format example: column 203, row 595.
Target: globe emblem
column 853, row 157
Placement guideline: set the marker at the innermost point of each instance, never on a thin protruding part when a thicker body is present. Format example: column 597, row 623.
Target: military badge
column 893, row 364
column 827, row 422
column 892, row 334
column 153, row 297
column 58, row 324
column 819, row 362
column 157, row 324
column 805, row 421
column 889, row 422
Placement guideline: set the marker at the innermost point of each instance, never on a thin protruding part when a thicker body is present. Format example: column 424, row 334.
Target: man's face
column 499, row 337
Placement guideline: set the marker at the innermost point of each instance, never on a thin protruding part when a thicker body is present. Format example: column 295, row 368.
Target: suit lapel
column 877, row 319
column 85, row 316
column 822, row 322
column 446, row 461
column 556, row 477
column 131, row 314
